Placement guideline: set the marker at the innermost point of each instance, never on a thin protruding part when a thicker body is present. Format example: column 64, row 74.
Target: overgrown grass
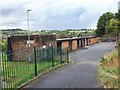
column 108, row 70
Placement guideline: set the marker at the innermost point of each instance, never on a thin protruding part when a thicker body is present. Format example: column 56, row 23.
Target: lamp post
column 28, row 33
column 28, row 25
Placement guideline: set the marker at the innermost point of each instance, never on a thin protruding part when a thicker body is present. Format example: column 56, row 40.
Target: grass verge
column 108, row 70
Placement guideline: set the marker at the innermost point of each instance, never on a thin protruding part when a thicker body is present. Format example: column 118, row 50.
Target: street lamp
column 28, row 42
column 28, row 26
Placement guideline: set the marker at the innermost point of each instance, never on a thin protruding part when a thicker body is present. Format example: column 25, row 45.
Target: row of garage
column 77, row 42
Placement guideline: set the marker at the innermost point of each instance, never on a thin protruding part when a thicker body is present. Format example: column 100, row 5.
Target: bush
column 3, row 44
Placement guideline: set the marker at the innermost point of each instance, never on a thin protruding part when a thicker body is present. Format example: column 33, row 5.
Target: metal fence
column 23, row 65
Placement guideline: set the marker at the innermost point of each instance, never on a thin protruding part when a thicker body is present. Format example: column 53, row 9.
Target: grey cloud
column 51, row 16
column 12, row 8
column 13, row 15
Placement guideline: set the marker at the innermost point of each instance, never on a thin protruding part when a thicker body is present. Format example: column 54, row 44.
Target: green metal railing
column 17, row 69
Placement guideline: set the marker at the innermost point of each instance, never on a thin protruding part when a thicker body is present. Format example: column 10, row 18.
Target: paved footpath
column 82, row 73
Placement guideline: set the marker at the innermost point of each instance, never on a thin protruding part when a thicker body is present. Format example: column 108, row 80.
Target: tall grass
column 108, row 70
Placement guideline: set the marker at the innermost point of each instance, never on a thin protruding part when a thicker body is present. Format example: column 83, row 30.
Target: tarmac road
column 81, row 73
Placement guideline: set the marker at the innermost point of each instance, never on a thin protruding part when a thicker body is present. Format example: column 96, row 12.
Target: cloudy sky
column 54, row 14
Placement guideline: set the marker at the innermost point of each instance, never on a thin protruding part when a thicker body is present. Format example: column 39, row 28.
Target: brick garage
column 19, row 43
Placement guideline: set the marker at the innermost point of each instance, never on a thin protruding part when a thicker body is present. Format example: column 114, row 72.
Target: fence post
column 52, row 56
column 61, row 55
column 47, row 50
column 35, row 61
column 67, row 55
column 43, row 53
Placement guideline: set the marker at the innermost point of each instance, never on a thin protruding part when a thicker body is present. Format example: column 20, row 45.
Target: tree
column 102, row 21
column 3, row 44
column 117, row 16
column 112, row 27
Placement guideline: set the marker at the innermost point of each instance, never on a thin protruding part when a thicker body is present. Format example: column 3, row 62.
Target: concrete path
column 82, row 73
